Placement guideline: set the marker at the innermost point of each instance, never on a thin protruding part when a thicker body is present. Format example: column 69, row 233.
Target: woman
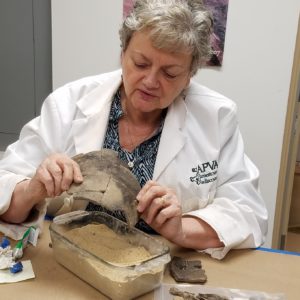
column 180, row 139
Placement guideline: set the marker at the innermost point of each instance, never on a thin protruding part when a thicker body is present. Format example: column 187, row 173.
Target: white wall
column 85, row 38
column 259, row 49
column 258, row 56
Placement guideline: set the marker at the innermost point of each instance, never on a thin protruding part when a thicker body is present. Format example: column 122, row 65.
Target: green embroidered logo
column 205, row 173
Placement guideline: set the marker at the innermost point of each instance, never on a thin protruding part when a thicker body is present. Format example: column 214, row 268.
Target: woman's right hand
column 53, row 176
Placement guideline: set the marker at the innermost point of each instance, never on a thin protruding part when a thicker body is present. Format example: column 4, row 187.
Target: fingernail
column 139, row 208
column 79, row 178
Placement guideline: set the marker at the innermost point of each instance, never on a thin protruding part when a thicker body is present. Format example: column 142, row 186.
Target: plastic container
column 114, row 280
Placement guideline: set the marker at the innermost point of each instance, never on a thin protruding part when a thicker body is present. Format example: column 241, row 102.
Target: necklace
column 141, row 138
column 130, row 162
column 134, row 142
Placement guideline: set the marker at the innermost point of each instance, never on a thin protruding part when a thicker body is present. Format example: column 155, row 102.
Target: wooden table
column 241, row 269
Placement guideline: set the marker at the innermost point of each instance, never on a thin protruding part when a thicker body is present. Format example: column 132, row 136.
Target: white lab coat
column 201, row 154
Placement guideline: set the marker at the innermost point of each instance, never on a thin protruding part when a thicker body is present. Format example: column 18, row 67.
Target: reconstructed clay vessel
column 107, row 181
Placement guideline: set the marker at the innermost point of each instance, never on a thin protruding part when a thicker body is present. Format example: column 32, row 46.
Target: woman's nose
column 151, row 80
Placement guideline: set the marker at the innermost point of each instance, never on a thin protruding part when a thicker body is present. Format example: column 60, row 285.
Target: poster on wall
column 127, row 6
column 219, row 10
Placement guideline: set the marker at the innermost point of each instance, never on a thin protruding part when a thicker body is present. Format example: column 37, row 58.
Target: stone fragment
column 189, row 271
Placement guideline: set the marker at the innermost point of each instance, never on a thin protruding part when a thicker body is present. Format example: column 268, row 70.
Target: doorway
column 288, row 156
column 25, row 63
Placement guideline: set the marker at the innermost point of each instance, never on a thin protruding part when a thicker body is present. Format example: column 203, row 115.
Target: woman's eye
column 171, row 76
column 140, row 65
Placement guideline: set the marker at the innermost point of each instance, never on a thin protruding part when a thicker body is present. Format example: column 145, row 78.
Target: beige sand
column 103, row 242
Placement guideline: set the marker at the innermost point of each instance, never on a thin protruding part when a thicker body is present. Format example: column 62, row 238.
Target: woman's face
column 152, row 77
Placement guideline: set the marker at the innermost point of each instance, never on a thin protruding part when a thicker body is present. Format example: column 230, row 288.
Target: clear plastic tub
column 115, row 280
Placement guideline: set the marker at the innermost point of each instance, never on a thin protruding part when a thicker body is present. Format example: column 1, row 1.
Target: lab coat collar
column 89, row 130
column 102, row 95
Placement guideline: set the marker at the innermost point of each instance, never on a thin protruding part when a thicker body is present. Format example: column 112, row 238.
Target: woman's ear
column 188, row 80
column 121, row 57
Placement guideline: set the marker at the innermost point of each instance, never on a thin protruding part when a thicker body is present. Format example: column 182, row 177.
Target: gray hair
column 184, row 25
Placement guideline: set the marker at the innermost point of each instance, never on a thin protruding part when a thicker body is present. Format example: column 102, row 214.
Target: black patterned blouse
column 142, row 158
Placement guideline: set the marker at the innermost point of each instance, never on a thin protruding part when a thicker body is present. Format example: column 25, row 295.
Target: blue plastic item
column 17, row 267
column 5, row 242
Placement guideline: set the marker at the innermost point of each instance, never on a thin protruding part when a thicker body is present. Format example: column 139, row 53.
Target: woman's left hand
column 160, row 208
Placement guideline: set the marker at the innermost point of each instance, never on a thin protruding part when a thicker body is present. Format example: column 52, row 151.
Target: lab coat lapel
column 172, row 139
column 89, row 129
column 88, row 132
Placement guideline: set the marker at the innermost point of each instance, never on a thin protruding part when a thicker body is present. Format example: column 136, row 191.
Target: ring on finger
column 164, row 199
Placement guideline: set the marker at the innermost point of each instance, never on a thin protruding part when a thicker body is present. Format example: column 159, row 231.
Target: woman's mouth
column 146, row 95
